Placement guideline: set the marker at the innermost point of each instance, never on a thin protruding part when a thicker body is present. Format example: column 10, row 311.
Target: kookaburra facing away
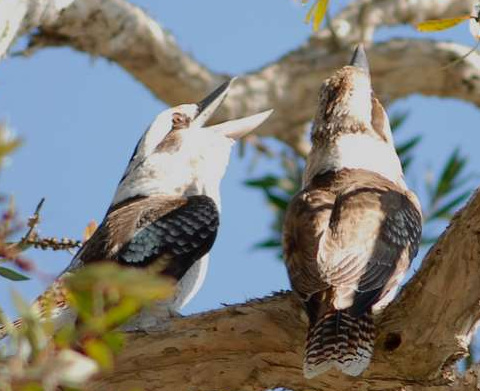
column 165, row 212
column 352, row 231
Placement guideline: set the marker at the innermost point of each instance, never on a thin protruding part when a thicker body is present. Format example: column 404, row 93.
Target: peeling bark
column 259, row 345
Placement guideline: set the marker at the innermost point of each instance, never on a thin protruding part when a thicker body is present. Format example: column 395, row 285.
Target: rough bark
column 258, row 345
column 126, row 35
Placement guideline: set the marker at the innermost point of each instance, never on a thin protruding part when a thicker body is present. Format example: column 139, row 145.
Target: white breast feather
column 195, row 169
column 368, row 153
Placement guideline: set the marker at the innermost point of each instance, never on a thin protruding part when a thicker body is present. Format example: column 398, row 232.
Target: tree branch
column 259, row 345
column 358, row 21
column 20, row 17
column 126, row 35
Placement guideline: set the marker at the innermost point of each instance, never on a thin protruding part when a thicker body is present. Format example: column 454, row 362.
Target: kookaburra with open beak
column 352, row 231
column 165, row 212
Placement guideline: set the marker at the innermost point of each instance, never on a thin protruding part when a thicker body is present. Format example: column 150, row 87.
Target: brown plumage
column 351, row 233
column 122, row 222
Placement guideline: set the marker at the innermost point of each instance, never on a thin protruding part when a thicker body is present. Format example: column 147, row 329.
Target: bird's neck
column 159, row 179
column 191, row 170
column 355, row 151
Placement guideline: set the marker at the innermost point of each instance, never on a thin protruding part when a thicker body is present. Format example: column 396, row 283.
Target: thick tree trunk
column 259, row 345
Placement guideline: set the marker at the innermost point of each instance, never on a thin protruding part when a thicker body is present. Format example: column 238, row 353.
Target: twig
column 32, row 224
column 460, row 59
column 52, row 243
column 31, row 238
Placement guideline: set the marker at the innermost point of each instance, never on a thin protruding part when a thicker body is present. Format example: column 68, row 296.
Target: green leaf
column 397, row 120
column 453, row 167
column 100, row 352
column 114, row 340
column 12, row 274
column 406, row 163
column 407, row 146
column 276, row 201
column 445, row 212
column 265, row 182
column 32, row 387
column 65, row 336
column 121, row 312
column 82, row 301
column 269, row 243
column 428, row 241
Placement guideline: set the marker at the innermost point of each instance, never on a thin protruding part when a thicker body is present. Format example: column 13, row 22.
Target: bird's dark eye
column 180, row 121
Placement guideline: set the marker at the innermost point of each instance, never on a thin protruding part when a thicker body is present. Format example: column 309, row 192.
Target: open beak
column 239, row 128
column 208, row 105
column 234, row 129
column 359, row 59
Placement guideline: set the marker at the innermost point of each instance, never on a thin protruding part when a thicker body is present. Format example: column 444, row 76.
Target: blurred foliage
column 444, row 193
column 278, row 190
column 105, row 296
column 10, row 251
column 9, row 223
column 8, row 143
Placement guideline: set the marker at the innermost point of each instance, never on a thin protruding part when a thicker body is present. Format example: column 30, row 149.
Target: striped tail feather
column 339, row 340
column 3, row 330
column 51, row 305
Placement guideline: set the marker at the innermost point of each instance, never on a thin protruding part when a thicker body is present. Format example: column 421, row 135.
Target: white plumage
column 165, row 210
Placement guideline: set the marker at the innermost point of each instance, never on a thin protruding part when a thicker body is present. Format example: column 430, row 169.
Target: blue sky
column 80, row 119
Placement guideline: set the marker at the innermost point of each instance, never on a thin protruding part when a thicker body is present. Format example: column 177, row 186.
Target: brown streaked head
column 347, row 104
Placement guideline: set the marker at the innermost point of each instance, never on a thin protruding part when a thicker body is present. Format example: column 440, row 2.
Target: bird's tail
column 341, row 341
column 3, row 329
column 51, row 305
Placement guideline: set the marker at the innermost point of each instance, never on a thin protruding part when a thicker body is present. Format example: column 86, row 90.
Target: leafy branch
column 105, row 296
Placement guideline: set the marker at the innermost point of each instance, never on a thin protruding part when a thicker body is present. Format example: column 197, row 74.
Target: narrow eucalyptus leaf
column 265, row 182
column 12, row 274
column 446, row 211
column 408, row 145
column 279, row 202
